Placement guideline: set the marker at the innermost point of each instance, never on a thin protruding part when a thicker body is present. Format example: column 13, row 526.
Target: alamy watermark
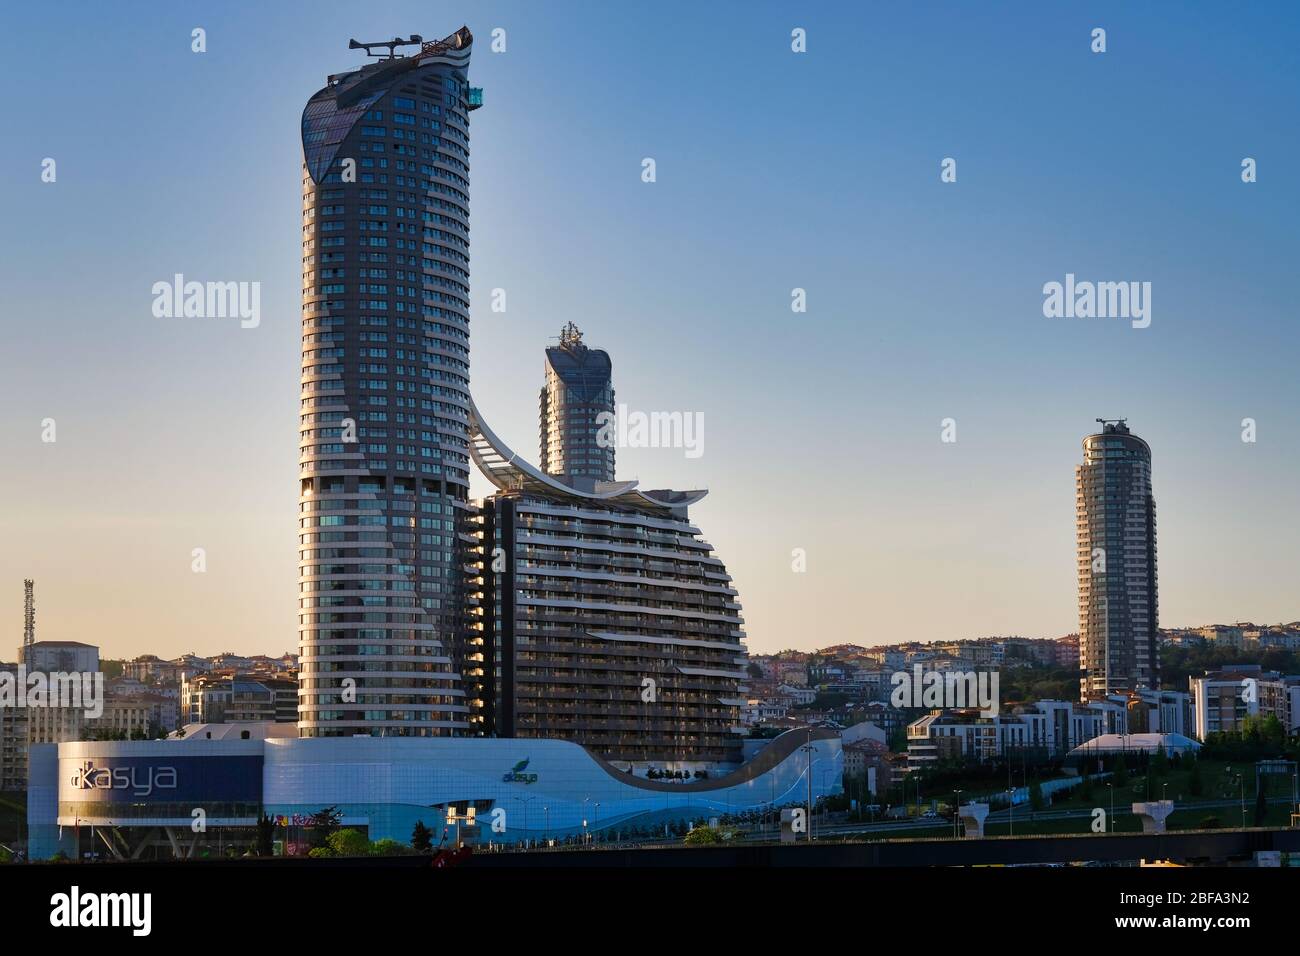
column 624, row 429
column 1099, row 300
column 208, row 300
column 133, row 911
column 946, row 689
column 74, row 690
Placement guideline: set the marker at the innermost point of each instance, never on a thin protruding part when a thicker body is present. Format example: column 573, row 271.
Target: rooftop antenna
column 29, row 616
column 392, row 45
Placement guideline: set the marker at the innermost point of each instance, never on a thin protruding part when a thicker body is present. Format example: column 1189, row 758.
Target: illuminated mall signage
column 517, row 775
column 113, row 778
column 294, row 820
column 138, row 781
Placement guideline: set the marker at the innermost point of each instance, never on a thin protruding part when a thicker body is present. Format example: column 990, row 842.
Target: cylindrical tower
column 1115, row 516
column 579, row 389
column 384, row 426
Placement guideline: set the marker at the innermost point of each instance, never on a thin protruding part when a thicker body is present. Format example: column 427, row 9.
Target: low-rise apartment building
column 1052, row 726
column 1222, row 700
column 222, row 699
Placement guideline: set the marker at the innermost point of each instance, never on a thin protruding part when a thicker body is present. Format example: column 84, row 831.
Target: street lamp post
column 825, row 811
column 525, row 801
column 810, row 756
column 807, row 748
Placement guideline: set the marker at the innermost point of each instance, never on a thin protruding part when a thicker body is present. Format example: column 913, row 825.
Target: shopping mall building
column 205, row 792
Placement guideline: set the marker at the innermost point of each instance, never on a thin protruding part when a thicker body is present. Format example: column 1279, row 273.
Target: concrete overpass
column 1184, row 846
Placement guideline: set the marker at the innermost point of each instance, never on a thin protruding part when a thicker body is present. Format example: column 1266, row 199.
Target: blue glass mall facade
column 143, row 797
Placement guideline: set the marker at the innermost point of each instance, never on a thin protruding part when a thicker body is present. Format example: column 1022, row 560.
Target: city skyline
column 929, row 539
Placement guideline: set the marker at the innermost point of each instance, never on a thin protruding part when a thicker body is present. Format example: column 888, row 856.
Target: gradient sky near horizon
column 775, row 170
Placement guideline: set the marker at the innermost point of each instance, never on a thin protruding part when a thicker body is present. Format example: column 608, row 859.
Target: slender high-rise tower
column 1116, row 532
column 29, row 618
column 577, row 391
column 384, row 467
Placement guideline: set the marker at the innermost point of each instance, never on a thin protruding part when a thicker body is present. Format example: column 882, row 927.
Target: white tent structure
column 1108, row 744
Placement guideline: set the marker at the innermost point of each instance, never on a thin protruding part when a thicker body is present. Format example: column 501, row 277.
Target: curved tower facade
column 608, row 620
column 615, row 626
column 1116, row 532
column 578, row 389
column 384, row 416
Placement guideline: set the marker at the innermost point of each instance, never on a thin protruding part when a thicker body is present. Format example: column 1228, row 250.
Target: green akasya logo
column 517, row 775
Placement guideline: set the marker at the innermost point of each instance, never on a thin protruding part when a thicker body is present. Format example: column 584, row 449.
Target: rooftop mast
column 570, row 336
column 393, row 44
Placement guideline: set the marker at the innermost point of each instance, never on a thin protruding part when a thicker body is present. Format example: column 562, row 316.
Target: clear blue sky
column 775, row 170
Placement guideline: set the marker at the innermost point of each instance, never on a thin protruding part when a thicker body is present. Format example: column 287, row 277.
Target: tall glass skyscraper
column 1116, row 532
column 384, row 467
column 577, row 390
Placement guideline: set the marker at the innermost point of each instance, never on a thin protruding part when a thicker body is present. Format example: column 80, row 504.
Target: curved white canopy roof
column 1112, row 743
column 509, row 472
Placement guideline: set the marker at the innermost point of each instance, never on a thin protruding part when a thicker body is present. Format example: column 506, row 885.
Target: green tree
column 1272, row 731
column 1036, row 796
column 422, row 837
column 323, row 824
column 1194, row 783
column 1252, row 729
column 265, row 836
column 1085, row 787
column 1120, row 771
column 388, row 847
column 1159, row 763
column 708, row 836
column 349, row 843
